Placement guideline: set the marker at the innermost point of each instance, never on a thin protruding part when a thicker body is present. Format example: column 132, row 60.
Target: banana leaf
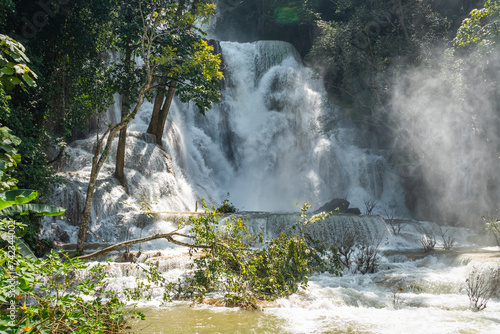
column 23, row 247
column 37, row 209
column 16, row 197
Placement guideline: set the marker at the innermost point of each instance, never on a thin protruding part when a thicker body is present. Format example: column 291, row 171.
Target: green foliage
column 33, row 171
column 198, row 76
column 186, row 61
column 30, row 139
column 17, row 202
column 226, row 206
column 476, row 48
column 51, row 295
column 13, row 68
column 281, row 268
column 480, row 28
column 9, row 157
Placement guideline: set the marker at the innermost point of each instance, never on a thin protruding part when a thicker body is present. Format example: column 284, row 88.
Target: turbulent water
column 411, row 292
column 267, row 145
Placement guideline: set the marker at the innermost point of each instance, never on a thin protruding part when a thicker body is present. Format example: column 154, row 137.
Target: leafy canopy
column 481, row 28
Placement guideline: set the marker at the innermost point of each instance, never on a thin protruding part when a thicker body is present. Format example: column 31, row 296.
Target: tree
column 157, row 19
column 481, row 29
column 190, row 69
column 193, row 73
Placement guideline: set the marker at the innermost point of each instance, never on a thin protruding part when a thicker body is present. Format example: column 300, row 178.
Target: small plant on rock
column 226, row 206
column 447, row 238
column 428, row 241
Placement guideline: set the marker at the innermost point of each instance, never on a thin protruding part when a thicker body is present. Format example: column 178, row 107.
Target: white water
column 433, row 300
column 263, row 145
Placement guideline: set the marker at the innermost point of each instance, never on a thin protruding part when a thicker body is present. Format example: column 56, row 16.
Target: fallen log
column 168, row 236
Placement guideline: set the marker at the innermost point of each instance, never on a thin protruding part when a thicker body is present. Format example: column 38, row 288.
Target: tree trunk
column 120, row 151
column 160, row 113
column 120, row 159
column 162, row 117
column 153, row 124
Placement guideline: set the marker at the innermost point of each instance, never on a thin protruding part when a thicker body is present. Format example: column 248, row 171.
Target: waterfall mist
column 448, row 124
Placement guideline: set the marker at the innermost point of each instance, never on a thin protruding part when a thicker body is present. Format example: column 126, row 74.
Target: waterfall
column 265, row 143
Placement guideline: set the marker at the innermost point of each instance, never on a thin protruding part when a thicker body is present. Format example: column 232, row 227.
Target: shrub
column 226, row 206
column 394, row 222
column 482, row 284
column 367, row 257
column 447, row 237
column 428, row 241
column 55, row 295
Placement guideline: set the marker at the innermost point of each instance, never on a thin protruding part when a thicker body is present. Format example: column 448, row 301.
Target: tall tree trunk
column 162, row 117
column 153, row 124
column 120, row 152
column 120, row 159
column 160, row 112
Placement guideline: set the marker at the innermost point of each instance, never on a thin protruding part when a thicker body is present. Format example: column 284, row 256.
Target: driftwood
column 168, row 236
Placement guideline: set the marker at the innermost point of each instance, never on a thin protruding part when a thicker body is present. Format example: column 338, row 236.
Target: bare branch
column 167, row 236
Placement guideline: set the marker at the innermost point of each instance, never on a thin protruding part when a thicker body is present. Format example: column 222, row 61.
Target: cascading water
column 263, row 143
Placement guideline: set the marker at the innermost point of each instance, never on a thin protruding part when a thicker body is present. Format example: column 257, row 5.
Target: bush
column 367, row 257
column 57, row 294
column 482, row 285
column 447, row 237
column 428, row 241
column 226, row 206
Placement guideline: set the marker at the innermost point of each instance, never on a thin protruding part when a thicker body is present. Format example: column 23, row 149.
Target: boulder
column 353, row 211
column 340, row 203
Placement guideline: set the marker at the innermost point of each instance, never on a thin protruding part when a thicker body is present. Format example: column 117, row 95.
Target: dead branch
column 168, row 236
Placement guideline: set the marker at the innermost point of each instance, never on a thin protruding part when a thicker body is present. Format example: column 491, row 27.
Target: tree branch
column 167, row 236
